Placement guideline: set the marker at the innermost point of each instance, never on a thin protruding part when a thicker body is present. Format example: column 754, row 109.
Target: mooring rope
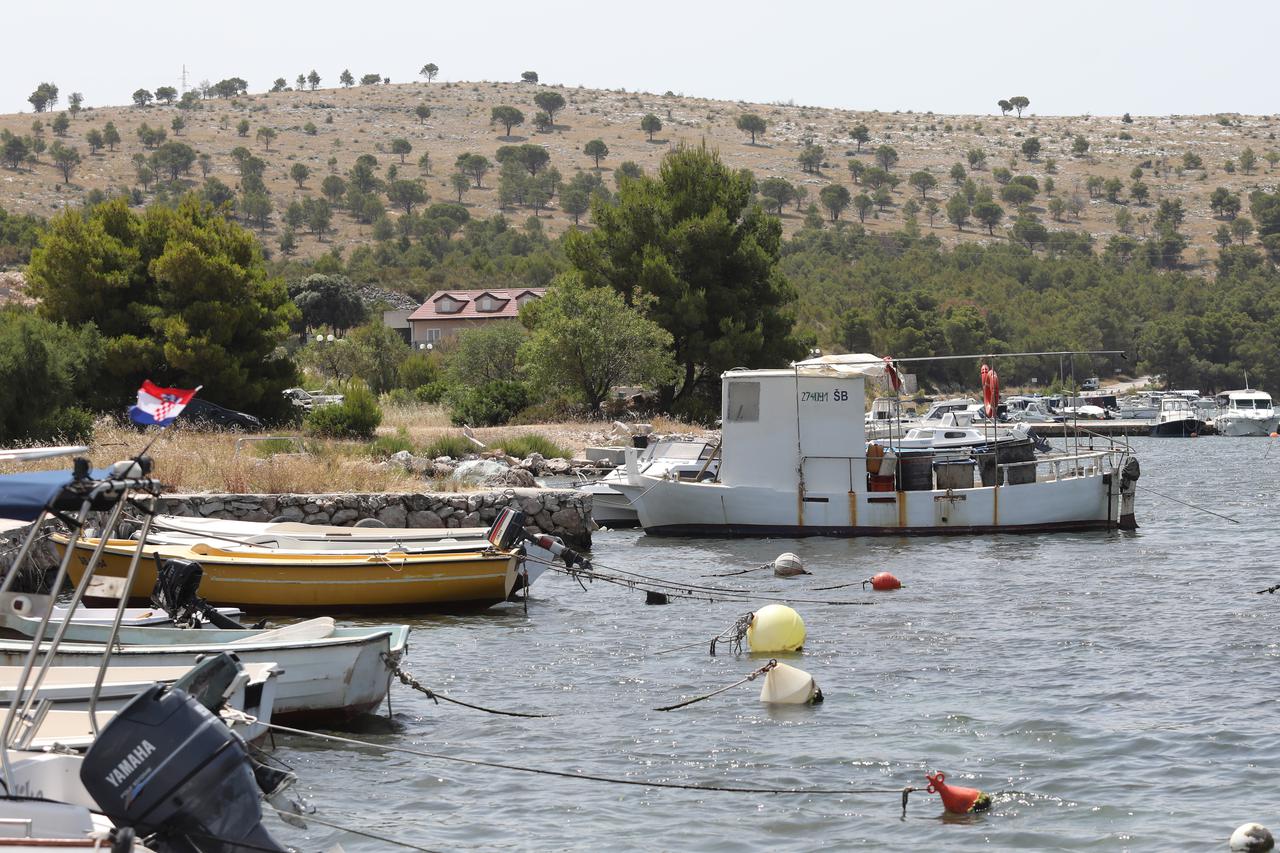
column 1191, row 505
column 366, row 833
column 751, row 677
column 583, row 777
column 695, row 592
column 435, row 696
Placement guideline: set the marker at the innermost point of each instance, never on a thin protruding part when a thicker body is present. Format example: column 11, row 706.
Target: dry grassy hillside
column 365, row 119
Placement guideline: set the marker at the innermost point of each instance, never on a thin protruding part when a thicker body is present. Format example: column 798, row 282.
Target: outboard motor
column 508, row 531
column 165, row 765
column 175, row 592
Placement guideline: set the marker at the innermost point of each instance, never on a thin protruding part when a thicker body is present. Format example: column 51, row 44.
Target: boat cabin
column 1245, row 401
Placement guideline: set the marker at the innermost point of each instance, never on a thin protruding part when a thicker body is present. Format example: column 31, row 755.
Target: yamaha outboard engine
column 165, row 765
column 175, row 592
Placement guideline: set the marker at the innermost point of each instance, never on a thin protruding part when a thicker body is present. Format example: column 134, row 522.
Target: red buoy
column 883, row 582
column 956, row 799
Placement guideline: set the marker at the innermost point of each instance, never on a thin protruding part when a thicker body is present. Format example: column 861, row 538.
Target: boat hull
column 610, row 508
column 1185, row 428
column 321, row 581
column 334, row 678
column 1094, row 502
column 1247, row 426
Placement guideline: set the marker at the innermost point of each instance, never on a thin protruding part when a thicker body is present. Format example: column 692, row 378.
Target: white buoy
column 1252, row 838
column 787, row 685
column 775, row 628
column 787, row 565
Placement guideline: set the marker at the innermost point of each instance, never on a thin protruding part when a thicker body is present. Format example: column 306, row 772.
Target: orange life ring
column 990, row 390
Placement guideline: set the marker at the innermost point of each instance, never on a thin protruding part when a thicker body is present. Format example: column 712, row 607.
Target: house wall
column 420, row 330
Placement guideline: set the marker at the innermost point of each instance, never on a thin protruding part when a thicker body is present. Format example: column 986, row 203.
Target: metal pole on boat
column 23, row 551
column 29, row 661
column 119, row 617
column 76, row 595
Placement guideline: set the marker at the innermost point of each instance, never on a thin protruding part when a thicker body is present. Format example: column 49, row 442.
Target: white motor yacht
column 1246, row 412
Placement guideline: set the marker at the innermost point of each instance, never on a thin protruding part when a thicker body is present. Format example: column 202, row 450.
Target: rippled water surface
column 1114, row 690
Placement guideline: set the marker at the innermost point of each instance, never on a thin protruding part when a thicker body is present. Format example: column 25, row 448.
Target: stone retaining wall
column 560, row 512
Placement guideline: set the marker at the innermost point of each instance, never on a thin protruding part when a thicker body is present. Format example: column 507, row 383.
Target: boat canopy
column 845, row 365
column 24, row 496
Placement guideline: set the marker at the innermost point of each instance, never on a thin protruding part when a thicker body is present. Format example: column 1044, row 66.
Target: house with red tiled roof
column 447, row 312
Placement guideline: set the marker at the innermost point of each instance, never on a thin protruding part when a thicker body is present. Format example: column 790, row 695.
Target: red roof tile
column 508, row 308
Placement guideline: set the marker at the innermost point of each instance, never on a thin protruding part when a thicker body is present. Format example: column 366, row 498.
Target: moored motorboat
column 680, row 459
column 1246, row 413
column 1177, row 419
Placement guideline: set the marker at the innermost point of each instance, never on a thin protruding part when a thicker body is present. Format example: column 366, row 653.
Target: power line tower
column 184, row 79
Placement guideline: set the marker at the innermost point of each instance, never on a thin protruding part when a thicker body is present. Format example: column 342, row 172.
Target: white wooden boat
column 794, row 462
column 325, row 671
column 133, row 616
column 68, row 689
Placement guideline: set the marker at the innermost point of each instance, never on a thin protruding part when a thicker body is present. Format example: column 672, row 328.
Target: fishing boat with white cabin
column 795, row 462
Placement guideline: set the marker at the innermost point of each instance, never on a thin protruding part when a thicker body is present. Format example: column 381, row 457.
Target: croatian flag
column 159, row 406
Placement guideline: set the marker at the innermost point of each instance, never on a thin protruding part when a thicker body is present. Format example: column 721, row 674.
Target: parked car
column 308, row 400
column 202, row 413
column 1090, row 384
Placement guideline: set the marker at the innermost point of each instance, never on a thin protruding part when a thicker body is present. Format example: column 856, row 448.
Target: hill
column 326, row 130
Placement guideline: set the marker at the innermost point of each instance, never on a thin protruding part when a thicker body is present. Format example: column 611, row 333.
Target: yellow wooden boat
column 275, row 579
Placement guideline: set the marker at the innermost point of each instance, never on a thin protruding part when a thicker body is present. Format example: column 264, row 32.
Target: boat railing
column 1091, row 463
column 1088, row 464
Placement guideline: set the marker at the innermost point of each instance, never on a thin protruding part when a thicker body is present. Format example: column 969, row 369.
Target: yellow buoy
column 775, row 628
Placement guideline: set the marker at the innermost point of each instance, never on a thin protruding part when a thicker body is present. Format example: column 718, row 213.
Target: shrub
column 71, row 425
column 491, row 404
column 453, row 446
column 521, row 446
column 384, row 446
column 552, row 410
column 357, row 416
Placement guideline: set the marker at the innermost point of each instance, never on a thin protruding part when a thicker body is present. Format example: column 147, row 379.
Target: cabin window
column 744, row 402
column 955, row 435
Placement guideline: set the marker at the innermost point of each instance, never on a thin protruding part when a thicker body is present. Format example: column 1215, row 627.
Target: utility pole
column 184, row 79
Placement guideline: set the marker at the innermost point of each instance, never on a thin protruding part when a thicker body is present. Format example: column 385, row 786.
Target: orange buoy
column 1275, row 435
column 883, row 582
column 956, row 799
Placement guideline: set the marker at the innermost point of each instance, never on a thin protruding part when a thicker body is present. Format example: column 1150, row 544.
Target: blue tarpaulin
column 24, row 496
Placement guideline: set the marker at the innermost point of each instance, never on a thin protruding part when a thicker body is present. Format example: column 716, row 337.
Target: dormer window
column 487, row 304
column 448, row 305
column 525, row 298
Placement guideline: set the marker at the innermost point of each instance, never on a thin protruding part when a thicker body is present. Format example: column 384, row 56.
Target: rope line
column 435, row 696
column 1191, row 505
column 584, row 777
column 695, row 592
column 752, row 677
column 376, row 837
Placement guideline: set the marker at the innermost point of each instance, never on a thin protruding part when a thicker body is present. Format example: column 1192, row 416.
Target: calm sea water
column 1115, row 691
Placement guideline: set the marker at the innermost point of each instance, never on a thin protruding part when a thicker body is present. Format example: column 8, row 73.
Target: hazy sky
column 949, row 56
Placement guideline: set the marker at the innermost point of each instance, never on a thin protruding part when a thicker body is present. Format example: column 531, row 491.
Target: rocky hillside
column 326, row 130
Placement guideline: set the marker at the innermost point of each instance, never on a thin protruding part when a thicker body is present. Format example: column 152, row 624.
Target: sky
column 948, row 56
